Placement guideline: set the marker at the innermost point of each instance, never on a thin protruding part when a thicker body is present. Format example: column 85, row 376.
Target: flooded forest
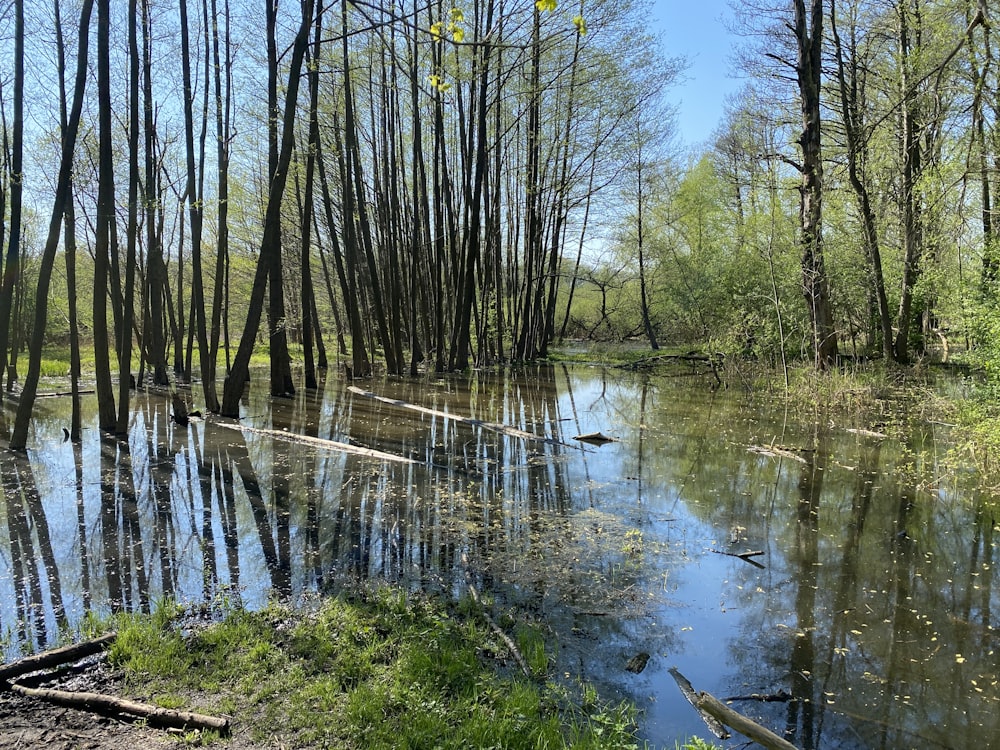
column 280, row 318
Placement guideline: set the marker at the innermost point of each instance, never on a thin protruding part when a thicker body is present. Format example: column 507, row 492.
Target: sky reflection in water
column 873, row 608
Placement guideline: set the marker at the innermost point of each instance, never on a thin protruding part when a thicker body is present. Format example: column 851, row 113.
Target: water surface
column 870, row 605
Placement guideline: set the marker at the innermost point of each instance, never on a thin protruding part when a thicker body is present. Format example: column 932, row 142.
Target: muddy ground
column 31, row 723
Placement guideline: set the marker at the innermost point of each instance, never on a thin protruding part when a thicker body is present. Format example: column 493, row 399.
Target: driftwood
column 866, row 433
column 492, row 426
column 688, row 691
column 55, row 657
column 99, row 702
column 320, row 443
column 717, row 716
column 740, row 723
column 782, row 696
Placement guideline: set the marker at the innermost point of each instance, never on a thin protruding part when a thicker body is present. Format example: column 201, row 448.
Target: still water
column 869, row 609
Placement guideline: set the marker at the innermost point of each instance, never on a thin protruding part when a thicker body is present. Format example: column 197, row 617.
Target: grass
column 371, row 670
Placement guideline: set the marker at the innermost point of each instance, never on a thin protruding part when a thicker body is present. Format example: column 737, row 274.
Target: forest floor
column 379, row 670
column 29, row 723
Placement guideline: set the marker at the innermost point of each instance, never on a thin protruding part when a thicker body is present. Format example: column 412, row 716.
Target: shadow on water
column 871, row 611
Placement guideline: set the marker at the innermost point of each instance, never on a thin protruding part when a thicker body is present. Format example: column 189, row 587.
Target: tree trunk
column 809, row 36
column 12, row 264
column 270, row 242
column 196, row 204
column 25, row 406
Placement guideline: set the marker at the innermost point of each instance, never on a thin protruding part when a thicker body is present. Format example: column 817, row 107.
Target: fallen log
column 155, row 715
column 492, row 426
column 55, row 657
column 292, row 437
column 740, row 723
column 687, row 690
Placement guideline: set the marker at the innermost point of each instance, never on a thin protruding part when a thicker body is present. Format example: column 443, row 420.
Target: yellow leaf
column 457, row 16
column 437, row 29
column 545, row 5
column 581, row 25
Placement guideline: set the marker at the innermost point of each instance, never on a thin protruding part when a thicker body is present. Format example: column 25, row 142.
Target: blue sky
column 696, row 29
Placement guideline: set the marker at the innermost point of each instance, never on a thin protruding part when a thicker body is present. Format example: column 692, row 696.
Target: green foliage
column 374, row 670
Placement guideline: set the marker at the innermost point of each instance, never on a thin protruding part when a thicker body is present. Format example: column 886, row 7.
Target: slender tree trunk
column 912, row 234
column 307, row 294
column 155, row 269
column 270, row 243
column 12, row 264
column 196, row 206
column 107, row 416
column 19, row 437
column 222, row 129
column 132, row 227
column 852, row 113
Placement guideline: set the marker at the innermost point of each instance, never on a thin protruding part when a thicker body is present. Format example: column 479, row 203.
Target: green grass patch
column 369, row 670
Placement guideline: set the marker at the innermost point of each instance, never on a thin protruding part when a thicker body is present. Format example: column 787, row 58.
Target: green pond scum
column 377, row 669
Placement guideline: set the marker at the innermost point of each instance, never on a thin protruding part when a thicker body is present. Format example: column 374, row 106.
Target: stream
column 862, row 604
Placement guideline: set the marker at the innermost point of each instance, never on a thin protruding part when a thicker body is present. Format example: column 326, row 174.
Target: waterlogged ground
column 869, row 609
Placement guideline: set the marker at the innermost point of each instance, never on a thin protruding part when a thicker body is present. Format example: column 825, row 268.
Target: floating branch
column 774, row 452
column 688, row 691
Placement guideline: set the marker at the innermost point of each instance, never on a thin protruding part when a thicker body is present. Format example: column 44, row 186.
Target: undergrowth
column 374, row 670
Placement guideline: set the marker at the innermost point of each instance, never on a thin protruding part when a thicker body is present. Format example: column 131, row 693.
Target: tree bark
column 815, row 285
column 270, row 242
column 19, row 437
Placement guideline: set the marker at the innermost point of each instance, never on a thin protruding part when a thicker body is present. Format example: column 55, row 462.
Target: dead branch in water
column 492, row 426
column 688, row 691
column 744, row 556
column 333, row 445
column 716, row 714
column 514, row 650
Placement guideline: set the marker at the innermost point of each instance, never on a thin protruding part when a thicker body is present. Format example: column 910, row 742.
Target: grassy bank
column 371, row 670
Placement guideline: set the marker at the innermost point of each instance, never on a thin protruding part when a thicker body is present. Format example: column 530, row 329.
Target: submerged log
column 320, row 443
column 595, row 438
column 688, row 691
column 55, row 657
column 99, row 702
column 717, row 716
column 740, row 723
column 492, row 426
column 744, row 556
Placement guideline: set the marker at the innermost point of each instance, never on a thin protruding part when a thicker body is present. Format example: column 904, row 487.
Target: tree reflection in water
column 874, row 609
